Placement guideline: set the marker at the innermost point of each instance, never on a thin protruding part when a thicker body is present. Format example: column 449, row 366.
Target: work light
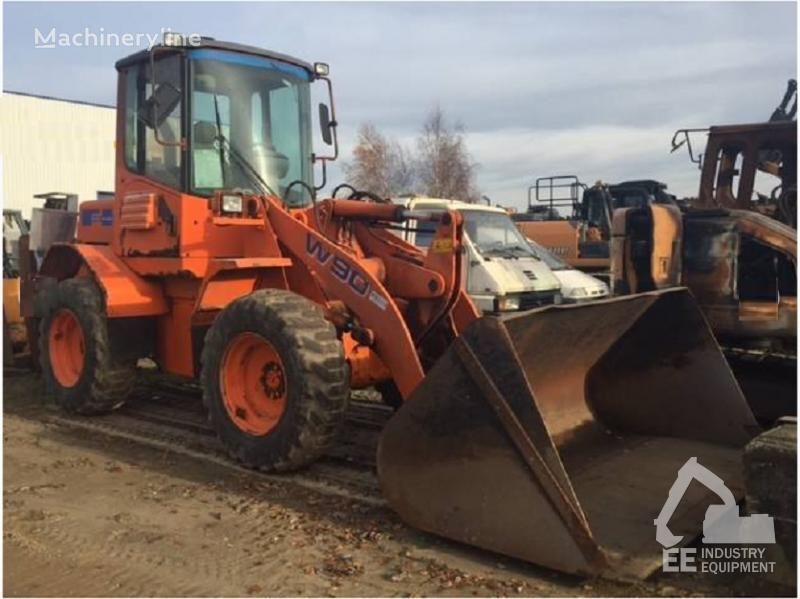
column 172, row 39
column 231, row 203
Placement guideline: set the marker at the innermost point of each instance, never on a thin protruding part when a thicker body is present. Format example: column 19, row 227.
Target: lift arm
column 342, row 277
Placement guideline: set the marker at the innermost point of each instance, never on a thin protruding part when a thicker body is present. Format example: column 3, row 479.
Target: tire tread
column 111, row 383
column 325, row 391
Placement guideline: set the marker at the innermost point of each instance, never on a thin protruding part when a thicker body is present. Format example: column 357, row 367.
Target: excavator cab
column 551, row 435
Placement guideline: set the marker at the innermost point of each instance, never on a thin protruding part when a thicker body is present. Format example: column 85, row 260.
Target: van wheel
column 275, row 381
column 75, row 352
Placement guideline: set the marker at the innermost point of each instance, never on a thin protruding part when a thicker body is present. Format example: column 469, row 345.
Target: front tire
column 78, row 367
column 275, row 381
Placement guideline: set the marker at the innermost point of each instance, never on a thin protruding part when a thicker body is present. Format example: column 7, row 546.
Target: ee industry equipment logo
column 727, row 536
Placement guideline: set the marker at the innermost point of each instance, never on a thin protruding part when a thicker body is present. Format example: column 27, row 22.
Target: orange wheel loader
column 551, row 435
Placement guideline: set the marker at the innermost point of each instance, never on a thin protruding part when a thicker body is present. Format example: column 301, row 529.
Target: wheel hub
column 66, row 347
column 272, row 381
column 253, row 384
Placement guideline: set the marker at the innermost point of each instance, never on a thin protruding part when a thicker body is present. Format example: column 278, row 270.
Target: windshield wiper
column 520, row 248
column 491, row 249
column 512, row 250
column 248, row 169
column 219, row 134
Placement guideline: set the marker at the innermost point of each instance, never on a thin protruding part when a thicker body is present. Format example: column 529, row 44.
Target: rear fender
column 126, row 293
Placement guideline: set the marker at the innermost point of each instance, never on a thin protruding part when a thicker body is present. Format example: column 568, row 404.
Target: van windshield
column 494, row 233
column 542, row 253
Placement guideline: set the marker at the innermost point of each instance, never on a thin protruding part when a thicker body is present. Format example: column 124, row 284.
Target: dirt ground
column 88, row 515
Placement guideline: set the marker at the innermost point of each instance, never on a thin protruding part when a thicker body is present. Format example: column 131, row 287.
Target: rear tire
column 78, row 368
column 275, row 381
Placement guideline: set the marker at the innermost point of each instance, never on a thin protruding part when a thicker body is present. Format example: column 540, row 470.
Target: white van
column 503, row 273
column 576, row 286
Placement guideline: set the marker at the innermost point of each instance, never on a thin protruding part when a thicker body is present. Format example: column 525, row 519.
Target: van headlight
column 506, row 303
column 577, row 293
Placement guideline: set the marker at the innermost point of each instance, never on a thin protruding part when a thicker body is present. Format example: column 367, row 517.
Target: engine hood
column 503, row 275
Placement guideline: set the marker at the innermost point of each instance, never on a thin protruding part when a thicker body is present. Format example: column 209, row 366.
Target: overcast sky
column 593, row 89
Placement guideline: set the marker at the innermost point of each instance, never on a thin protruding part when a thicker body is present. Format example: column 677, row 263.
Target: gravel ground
column 89, row 515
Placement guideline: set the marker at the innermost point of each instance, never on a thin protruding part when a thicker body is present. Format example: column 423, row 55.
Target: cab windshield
column 494, row 233
column 249, row 113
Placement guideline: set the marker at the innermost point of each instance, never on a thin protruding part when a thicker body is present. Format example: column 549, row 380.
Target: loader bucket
column 554, row 435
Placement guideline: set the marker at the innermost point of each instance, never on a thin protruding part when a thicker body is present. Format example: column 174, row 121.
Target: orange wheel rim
column 67, row 349
column 253, row 384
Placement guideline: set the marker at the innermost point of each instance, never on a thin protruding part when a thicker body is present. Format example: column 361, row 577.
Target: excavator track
column 170, row 417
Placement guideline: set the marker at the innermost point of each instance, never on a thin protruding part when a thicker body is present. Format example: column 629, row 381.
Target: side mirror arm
column 333, row 124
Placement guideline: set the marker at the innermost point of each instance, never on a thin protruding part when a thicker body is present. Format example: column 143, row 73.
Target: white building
column 50, row 144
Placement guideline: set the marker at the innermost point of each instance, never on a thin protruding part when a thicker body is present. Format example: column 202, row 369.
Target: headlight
column 231, row 203
column 507, row 303
column 577, row 292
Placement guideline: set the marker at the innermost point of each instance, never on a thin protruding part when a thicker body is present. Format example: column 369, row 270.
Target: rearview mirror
column 160, row 105
column 325, row 123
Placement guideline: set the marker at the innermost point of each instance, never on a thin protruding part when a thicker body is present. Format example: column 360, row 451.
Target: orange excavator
column 551, row 435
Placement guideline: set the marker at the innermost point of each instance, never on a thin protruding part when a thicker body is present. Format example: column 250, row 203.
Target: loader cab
column 579, row 218
column 601, row 201
column 206, row 130
column 208, row 117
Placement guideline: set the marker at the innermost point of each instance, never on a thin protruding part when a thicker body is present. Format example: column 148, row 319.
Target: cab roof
column 208, row 42
column 454, row 204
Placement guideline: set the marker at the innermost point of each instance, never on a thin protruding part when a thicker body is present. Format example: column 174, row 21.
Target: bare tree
column 379, row 165
column 441, row 166
column 444, row 166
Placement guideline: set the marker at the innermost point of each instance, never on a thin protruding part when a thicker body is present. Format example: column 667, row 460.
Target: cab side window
column 157, row 158
column 763, row 273
column 729, row 169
